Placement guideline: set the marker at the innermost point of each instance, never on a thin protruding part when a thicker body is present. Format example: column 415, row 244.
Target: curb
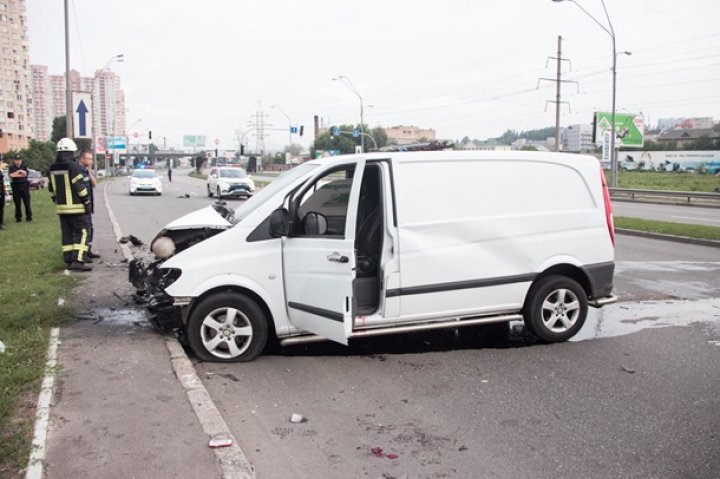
column 233, row 463
column 666, row 237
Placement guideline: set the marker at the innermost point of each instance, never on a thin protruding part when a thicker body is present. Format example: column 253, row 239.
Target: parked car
column 229, row 181
column 354, row 247
column 36, row 180
column 145, row 182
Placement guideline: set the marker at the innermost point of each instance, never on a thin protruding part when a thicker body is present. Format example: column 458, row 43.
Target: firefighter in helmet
column 72, row 204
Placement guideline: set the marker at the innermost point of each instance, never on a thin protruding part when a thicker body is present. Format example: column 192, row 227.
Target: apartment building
column 578, row 138
column 407, row 135
column 15, row 99
column 49, row 100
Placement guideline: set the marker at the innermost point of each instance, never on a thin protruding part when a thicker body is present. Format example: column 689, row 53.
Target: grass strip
column 666, row 227
column 31, row 283
column 667, row 181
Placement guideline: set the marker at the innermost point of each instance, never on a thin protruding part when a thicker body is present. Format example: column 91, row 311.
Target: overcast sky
column 461, row 67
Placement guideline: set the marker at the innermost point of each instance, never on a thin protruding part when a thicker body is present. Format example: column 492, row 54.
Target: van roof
column 407, row 156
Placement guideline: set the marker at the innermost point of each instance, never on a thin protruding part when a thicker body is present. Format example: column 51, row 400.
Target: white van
column 386, row 243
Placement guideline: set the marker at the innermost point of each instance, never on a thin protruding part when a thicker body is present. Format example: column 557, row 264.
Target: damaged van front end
column 151, row 280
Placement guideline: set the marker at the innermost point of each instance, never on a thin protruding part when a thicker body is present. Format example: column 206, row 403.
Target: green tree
column 59, row 128
column 39, row 155
column 528, row 148
column 294, row 149
column 380, row 136
column 702, row 143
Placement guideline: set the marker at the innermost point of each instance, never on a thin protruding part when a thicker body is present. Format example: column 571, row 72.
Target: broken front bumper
column 149, row 281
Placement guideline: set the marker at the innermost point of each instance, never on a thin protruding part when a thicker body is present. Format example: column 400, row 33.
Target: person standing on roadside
column 72, row 204
column 21, row 189
column 2, row 199
column 86, row 164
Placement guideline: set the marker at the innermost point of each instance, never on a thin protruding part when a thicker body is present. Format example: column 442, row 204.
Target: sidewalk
column 119, row 410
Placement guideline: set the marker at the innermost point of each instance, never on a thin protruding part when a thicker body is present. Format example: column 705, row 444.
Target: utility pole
column 558, row 80
column 259, row 126
column 68, row 91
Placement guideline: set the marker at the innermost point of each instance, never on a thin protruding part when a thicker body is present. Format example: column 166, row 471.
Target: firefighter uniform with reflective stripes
column 72, row 204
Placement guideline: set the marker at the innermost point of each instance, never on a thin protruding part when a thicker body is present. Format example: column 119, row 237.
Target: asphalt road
column 636, row 396
column 694, row 215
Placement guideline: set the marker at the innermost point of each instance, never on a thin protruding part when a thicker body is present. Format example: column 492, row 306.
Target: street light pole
column 611, row 32
column 116, row 58
column 277, row 107
column 68, row 91
column 346, row 81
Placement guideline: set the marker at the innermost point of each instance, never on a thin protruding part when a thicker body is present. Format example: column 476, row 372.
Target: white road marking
column 36, row 463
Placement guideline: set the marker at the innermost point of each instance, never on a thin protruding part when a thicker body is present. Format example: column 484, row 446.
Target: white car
column 229, row 181
column 145, row 181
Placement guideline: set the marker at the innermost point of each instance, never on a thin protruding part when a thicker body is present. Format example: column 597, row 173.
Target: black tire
column 208, row 191
column 217, row 192
column 555, row 309
column 213, row 338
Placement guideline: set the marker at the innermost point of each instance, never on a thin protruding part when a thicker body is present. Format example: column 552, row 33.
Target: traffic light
column 302, row 128
column 149, row 135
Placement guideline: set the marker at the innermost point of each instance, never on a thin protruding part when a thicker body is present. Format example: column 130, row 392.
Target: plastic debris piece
column 2, row 347
column 297, row 418
column 627, row 369
column 220, row 442
column 61, row 302
column 392, row 456
column 377, row 452
column 462, row 448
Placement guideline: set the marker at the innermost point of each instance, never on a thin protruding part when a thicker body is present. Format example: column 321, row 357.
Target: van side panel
column 473, row 233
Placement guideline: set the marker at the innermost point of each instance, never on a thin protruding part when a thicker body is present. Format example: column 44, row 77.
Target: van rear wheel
column 227, row 327
column 556, row 308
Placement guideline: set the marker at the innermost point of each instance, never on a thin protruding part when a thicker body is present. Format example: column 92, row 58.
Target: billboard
column 628, row 129
column 194, row 141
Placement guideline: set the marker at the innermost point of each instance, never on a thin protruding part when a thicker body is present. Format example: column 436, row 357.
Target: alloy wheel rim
column 226, row 332
column 560, row 310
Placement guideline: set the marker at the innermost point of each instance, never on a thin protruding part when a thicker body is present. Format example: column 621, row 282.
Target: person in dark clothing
column 2, row 199
column 21, row 189
column 86, row 164
column 72, row 204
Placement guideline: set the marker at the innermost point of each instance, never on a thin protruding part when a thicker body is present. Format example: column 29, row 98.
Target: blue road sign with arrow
column 82, row 114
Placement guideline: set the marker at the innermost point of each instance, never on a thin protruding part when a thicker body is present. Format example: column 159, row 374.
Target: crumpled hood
column 203, row 218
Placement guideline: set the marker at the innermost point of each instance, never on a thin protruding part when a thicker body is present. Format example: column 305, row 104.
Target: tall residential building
column 15, row 100
column 42, row 103
column 108, row 100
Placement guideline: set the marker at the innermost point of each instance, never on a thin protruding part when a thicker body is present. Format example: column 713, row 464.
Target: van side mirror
column 315, row 224
column 279, row 223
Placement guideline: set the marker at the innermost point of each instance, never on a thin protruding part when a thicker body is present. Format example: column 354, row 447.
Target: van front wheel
column 227, row 327
column 556, row 308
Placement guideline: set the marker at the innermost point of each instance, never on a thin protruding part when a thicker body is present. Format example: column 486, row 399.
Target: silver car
column 229, row 181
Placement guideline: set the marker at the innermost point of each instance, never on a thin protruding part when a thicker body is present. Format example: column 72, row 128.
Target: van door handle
column 337, row 258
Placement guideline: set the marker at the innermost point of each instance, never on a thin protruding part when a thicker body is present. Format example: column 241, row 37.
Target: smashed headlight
column 163, row 247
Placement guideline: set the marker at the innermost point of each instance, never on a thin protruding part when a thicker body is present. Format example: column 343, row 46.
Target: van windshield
column 269, row 191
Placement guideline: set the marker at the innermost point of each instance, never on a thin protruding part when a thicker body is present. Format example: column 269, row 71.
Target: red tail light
column 608, row 207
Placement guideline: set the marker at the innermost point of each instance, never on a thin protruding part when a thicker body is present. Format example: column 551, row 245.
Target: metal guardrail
column 660, row 196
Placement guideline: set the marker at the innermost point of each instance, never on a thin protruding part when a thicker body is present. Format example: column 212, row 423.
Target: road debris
column 132, row 239
column 231, row 377
column 2, row 347
column 297, row 418
column 220, row 442
column 186, row 195
column 378, row 452
column 61, row 302
column 627, row 369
